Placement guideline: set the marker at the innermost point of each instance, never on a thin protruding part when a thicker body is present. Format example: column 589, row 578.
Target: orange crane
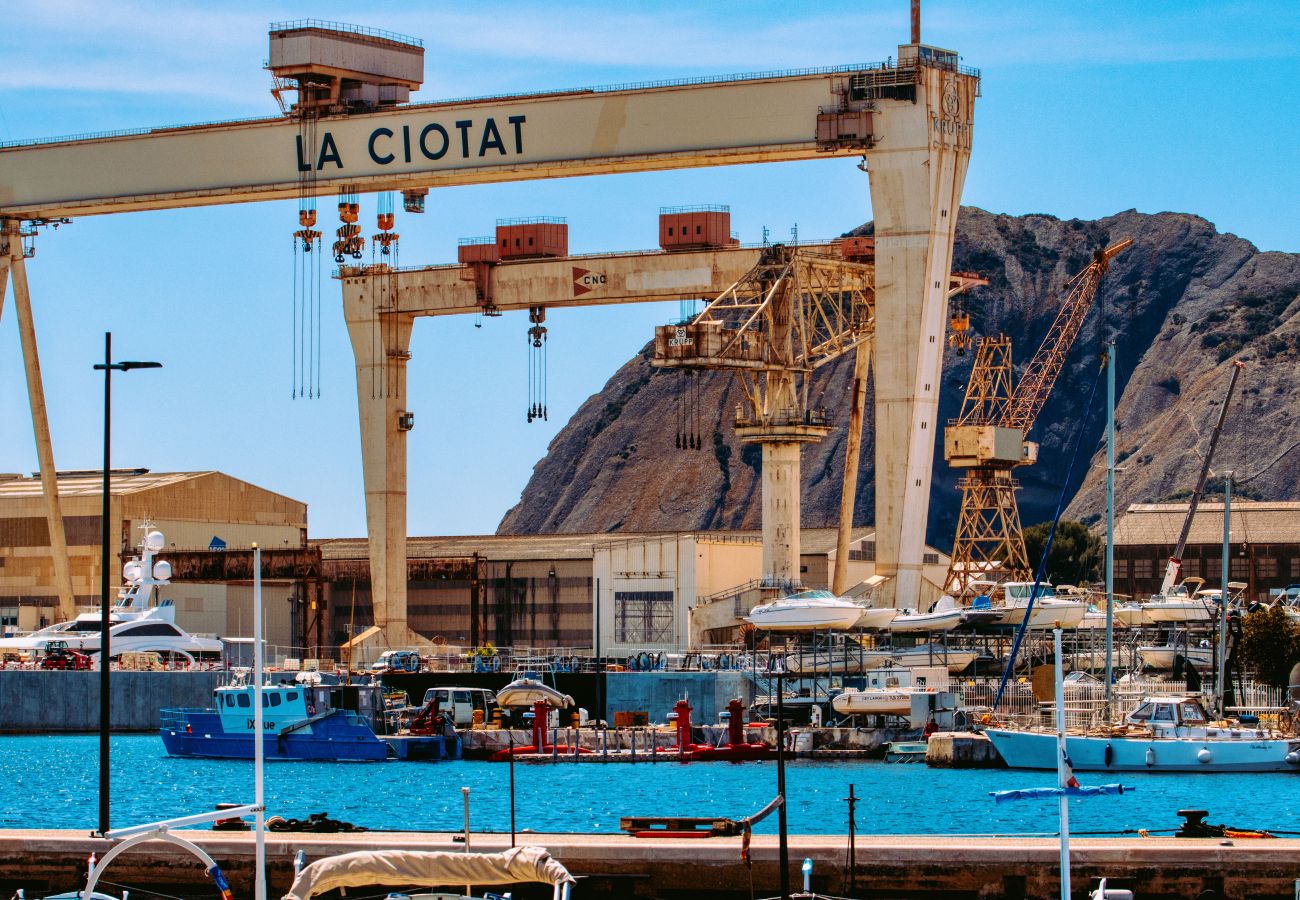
column 989, row 437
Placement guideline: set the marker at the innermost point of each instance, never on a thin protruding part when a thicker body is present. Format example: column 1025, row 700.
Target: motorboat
column 530, row 692
column 954, row 659
column 140, row 620
column 302, row 720
column 1181, row 606
column 397, row 868
column 943, row 615
column 877, row 618
column 980, row 612
column 1162, row 657
column 806, row 611
column 1160, row 734
column 889, row 692
column 844, row 660
column 1048, row 609
column 1132, row 615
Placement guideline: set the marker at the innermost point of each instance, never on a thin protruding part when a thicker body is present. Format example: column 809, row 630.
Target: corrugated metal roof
column 1253, row 522
column 88, row 484
column 562, row 546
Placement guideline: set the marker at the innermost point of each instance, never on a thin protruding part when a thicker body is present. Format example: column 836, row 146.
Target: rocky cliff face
column 1183, row 303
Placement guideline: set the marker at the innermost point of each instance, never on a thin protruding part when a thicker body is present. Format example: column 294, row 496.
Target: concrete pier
column 611, row 866
column 961, row 750
column 48, row 701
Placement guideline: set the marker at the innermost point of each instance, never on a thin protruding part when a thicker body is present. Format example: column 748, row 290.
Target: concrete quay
column 894, row 866
column 51, row 701
column 961, row 750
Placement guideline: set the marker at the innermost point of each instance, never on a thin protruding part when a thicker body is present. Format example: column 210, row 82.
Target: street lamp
column 107, row 367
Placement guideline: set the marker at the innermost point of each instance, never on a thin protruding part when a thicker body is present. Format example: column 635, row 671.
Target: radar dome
column 155, row 541
column 133, row 571
column 162, row 569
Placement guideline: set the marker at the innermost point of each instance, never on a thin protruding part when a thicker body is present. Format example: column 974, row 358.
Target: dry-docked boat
column 1048, row 610
column 890, row 691
column 1162, row 657
column 806, row 611
column 842, row 660
column 1201, row 606
column 528, row 692
column 943, row 615
column 935, row 655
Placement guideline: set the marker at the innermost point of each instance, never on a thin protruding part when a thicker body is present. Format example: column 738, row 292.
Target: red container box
column 694, row 227
column 478, row 250
column 537, row 238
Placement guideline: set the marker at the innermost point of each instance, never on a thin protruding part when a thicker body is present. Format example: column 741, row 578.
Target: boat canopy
column 412, row 867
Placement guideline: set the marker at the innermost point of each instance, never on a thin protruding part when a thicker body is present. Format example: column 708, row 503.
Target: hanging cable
column 537, row 363
column 305, row 372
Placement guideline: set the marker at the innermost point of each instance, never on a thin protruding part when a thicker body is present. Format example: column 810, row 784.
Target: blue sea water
column 52, row 782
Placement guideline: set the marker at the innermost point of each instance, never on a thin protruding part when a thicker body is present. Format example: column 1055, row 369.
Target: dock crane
column 989, row 436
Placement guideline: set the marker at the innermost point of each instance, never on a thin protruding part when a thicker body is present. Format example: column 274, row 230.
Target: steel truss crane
column 988, row 438
column 795, row 311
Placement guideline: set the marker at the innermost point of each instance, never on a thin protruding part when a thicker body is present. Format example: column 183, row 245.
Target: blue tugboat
column 300, row 721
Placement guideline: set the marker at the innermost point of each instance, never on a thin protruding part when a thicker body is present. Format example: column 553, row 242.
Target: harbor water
column 52, row 782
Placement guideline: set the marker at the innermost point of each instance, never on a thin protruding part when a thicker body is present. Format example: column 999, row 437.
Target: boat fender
column 1293, row 757
column 643, row 661
column 724, row 661
column 1204, row 755
column 311, row 708
column 1109, row 755
column 1151, row 756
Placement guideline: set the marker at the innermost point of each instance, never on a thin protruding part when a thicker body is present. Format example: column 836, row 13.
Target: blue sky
column 1088, row 109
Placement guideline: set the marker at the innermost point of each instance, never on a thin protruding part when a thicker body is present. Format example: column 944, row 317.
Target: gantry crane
column 909, row 119
column 989, row 438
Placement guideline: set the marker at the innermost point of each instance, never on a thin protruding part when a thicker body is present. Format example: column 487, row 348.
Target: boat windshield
column 1192, row 713
column 1020, row 591
column 812, row 595
column 1141, row 714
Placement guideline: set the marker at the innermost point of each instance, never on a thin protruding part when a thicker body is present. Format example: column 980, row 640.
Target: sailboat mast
column 1223, row 594
column 1110, row 519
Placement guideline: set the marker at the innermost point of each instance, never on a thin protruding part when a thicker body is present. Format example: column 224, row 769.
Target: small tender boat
column 1161, row 734
column 890, row 691
column 848, row 660
column 905, row 751
column 806, row 611
column 943, row 615
column 530, row 691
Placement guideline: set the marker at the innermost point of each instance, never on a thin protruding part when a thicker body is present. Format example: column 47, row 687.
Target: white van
column 461, row 702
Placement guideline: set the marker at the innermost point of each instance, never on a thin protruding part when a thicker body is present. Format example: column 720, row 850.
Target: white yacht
column 806, row 611
column 1048, row 610
column 140, row 621
column 943, row 615
column 890, row 691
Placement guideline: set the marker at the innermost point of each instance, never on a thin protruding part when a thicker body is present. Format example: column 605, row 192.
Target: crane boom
column 551, row 135
column 1174, row 567
column 1040, row 375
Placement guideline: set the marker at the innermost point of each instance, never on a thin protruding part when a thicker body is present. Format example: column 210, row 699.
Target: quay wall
column 44, row 701
column 620, row 866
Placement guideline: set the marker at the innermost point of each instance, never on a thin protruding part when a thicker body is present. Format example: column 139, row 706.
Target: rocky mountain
column 1184, row 302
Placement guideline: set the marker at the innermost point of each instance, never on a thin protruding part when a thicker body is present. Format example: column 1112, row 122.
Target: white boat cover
column 527, row 691
column 424, row 868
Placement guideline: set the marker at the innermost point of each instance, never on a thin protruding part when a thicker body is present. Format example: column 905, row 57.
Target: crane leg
column 40, row 422
column 852, row 457
column 915, row 196
column 380, row 345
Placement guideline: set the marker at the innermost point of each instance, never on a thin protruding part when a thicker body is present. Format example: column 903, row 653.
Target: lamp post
column 107, row 367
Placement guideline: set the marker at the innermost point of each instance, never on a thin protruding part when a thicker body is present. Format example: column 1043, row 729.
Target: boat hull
column 937, row 621
column 199, row 733
column 1177, row 612
column 1037, row 750
column 1162, row 658
column 818, row 619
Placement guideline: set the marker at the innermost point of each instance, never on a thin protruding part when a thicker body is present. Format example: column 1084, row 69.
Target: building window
column 929, row 559
column 1240, row 568
column 1294, row 568
column 1142, row 568
column 8, row 615
column 866, row 554
column 1266, row 567
column 643, row 617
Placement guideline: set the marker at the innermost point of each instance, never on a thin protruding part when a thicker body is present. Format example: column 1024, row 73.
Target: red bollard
column 541, row 712
column 735, row 722
column 683, row 710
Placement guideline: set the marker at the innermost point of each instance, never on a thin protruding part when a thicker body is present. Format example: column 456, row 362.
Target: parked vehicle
column 460, row 703
column 58, row 655
column 396, row 661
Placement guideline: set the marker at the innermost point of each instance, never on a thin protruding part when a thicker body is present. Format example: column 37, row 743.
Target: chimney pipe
column 916, row 21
